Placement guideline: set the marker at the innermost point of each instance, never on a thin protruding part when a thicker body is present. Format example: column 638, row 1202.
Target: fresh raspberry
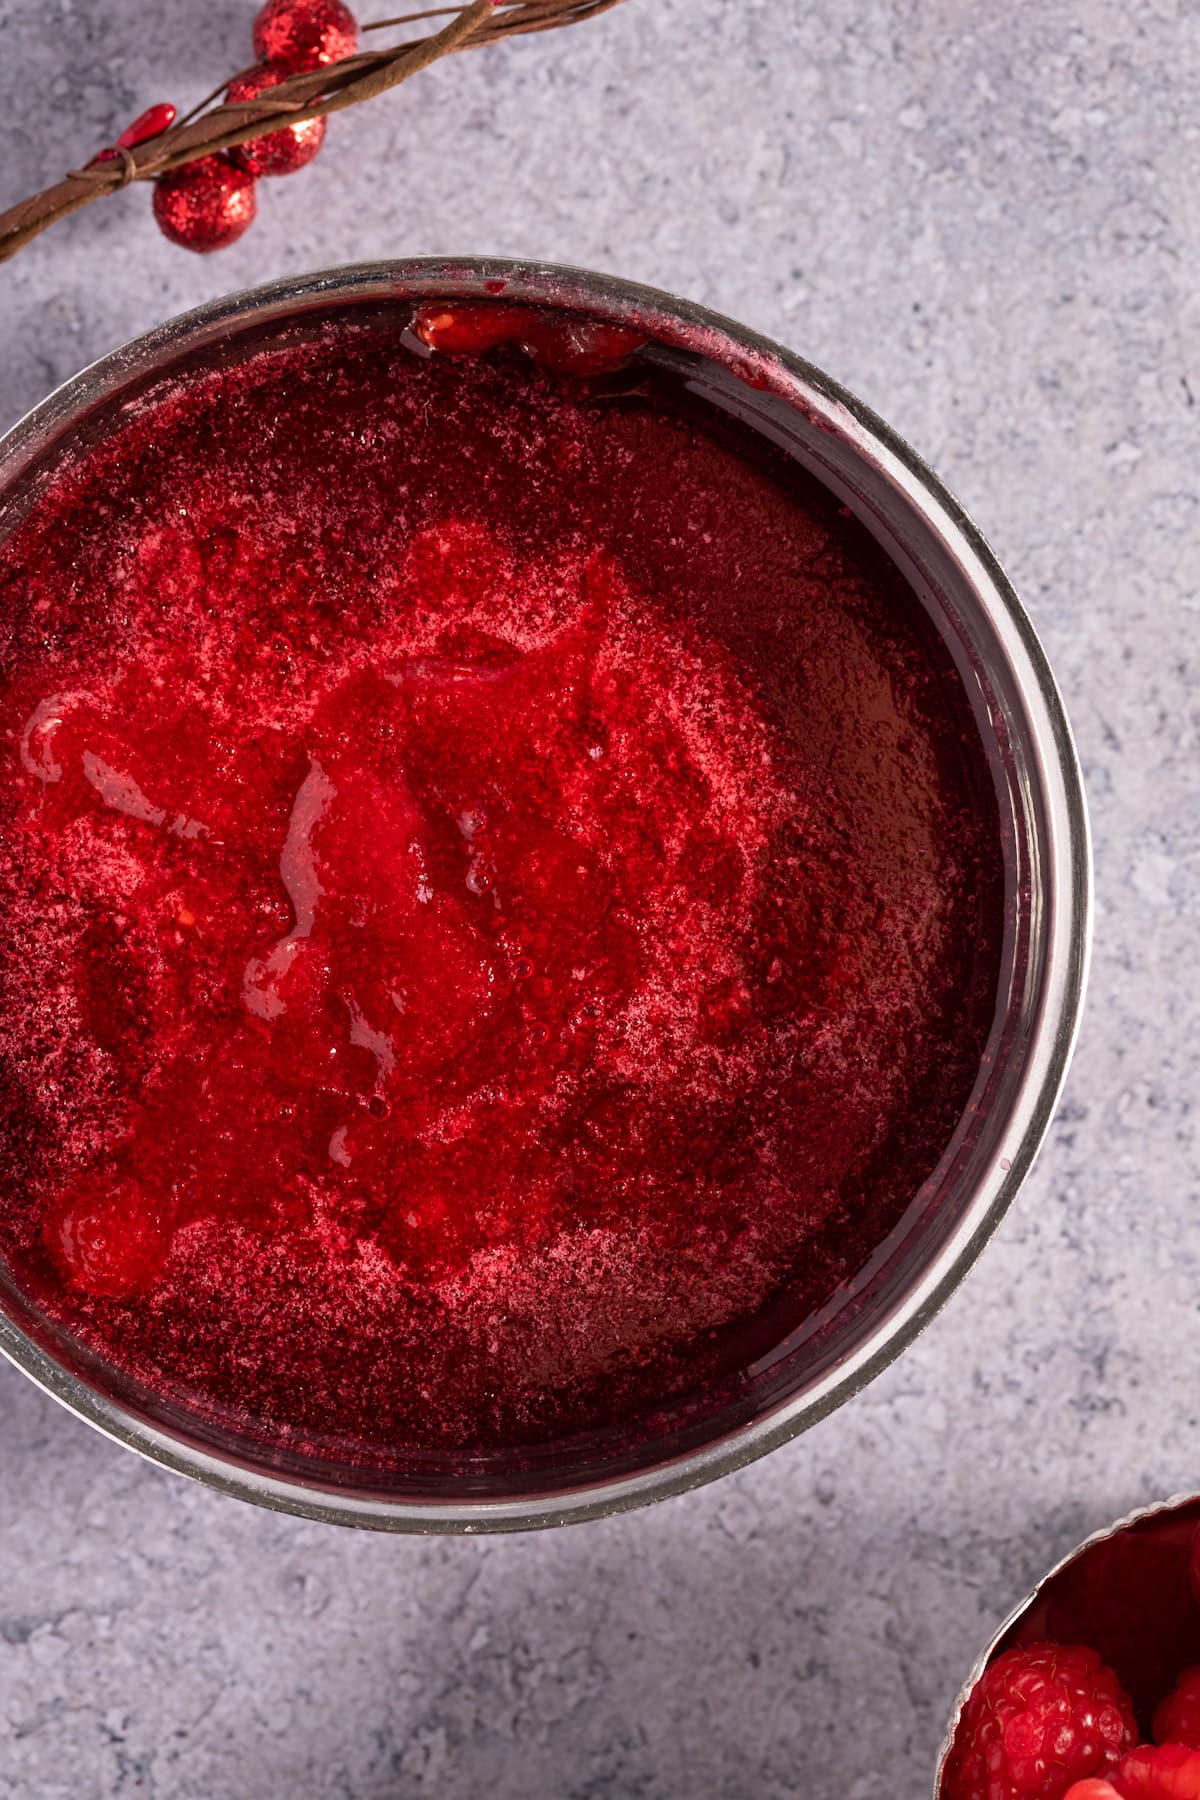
column 1168, row 1772
column 1177, row 1720
column 1129, row 1598
column 1037, row 1721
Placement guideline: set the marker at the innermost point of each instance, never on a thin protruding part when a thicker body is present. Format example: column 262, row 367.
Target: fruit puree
column 501, row 893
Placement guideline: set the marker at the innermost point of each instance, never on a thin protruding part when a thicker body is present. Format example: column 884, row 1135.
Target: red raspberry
column 1177, row 1720
column 1170, row 1772
column 1037, row 1721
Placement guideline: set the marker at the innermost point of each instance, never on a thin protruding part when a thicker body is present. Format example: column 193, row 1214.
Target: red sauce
column 500, row 890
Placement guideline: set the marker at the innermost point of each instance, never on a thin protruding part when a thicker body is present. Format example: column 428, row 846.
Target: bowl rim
column 1068, row 897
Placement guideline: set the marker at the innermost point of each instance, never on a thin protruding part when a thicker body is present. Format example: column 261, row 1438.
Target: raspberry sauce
column 501, row 891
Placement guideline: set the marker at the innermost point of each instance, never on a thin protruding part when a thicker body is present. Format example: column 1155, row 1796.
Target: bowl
column 1027, row 741
column 1129, row 1592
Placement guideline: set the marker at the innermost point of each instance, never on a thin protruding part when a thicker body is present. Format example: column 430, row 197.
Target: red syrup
column 501, row 894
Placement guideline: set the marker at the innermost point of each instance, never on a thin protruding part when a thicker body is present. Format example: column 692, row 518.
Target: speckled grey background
column 986, row 220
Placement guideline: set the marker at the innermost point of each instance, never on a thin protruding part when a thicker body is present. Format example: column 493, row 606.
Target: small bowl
column 1128, row 1592
column 1043, row 820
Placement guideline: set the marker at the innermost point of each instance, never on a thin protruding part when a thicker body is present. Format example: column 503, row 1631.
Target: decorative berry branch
column 205, row 166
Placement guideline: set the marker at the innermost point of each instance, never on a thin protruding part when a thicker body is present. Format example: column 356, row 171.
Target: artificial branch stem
column 311, row 95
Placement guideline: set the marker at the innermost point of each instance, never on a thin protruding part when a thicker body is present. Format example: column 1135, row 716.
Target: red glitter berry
column 107, row 1236
column 304, row 34
column 1168, row 1772
column 1177, row 1720
column 205, row 205
column 1037, row 1721
column 280, row 152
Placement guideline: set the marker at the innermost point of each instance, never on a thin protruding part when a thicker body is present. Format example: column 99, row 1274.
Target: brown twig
column 210, row 128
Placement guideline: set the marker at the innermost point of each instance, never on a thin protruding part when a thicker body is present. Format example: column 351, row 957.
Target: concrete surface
column 986, row 220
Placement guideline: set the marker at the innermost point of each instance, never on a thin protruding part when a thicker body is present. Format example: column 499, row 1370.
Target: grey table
column 986, row 220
